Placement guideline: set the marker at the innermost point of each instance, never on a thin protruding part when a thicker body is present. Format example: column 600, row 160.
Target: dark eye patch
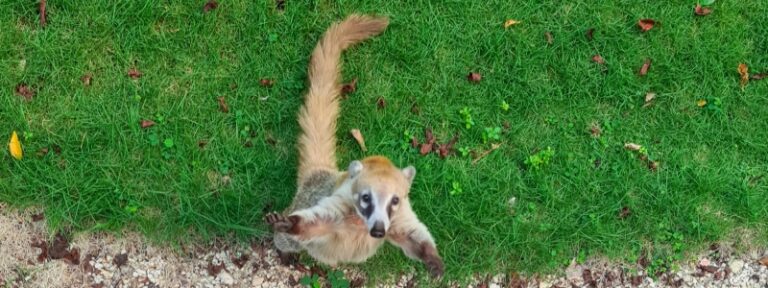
column 368, row 210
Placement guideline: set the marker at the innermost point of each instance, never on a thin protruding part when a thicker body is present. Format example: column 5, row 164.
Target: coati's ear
column 355, row 168
column 409, row 173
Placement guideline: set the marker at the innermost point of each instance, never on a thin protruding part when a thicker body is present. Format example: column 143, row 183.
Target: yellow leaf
column 744, row 72
column 15, row 146
column 701, row 102
column 511, row 22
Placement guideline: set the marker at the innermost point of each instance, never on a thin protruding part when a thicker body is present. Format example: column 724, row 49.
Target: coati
column 345, row 216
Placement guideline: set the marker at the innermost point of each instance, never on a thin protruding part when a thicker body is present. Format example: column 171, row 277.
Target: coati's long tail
column 317, row 143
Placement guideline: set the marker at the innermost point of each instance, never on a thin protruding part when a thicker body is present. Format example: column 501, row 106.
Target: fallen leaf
column 415, row 109
column 644, row 68
column 758, row 76
column 56, row 149
column 648, row 98
column 653, row 165
column 357, row 283
column 134, row 73
column 701, row 11
column 42, row 152
column 14, row 146
column 494, row 146
column 414, row 142
column 86, row 79
column 60, row 250
column 43, row 250
column 280, row 5
column 590, row 34
column 709, row 268
column 701, row 102
column 214, row 270
column 240, row 261
column 586, row 275
column 38, row 217
column 223, row 104
column 349, row 88
column 120, row 259
column 266, row 82
column 646, row 24
column 210, row 5
column 763, row 261
column 744, row 72
column 202, row 143
column 147, row 123
column 598, row 59
column 474, row 77
column 444, row 149
column 380, row 103
column 632, row 147
column 429, row 142
column 510, row 23
column 25, row 91
column 595, row 130
column 42, row 13
column 624, row 212
column 636, row 280
column 549, row 37
column 359, row 138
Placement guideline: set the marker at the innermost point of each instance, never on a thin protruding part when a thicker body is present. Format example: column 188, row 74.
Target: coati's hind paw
column 278, row 222
column 435, row 266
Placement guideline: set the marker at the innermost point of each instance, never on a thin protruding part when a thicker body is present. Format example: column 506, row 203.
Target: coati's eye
column 366, row 198
column 395, row 200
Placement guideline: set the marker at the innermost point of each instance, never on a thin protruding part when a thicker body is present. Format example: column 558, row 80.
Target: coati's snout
column 379, row 188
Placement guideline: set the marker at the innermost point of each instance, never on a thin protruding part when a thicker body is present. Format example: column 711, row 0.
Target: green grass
column 113, row 175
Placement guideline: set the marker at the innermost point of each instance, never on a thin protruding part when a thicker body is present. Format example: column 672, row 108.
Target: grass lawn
column 103, row 171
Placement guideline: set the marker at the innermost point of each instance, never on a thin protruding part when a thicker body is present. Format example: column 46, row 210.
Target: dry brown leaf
column 645, row 67
column 646, row 24
column 210, row 5
column 444, row 149
column 266, row 82
column 653, row 165
column 38, row 217
column 223, row 104
column 474, row 77
column 86, row 79
column 429, row 142
column 25, row 91
column 744, row 73
column 701, row 102
column 648, row 98
column 359, row 138
column 624, row 212
column 42, row 13
column 763, row 261
column 510, row 23
column 598, row 59
column 701, row 11
column 494, row 146
column 595, row 130
column 632, row 146
column 134, row 73
column 349, row 88
column 549, row 37
column 381, row 103
column 415, row 109
column 414, row 142
column 120, row 259
column 42, row 152
column 590, row 34
column 759, row 76
column 147, row 123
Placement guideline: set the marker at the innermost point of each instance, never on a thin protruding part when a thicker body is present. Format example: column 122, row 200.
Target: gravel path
column 30, row 258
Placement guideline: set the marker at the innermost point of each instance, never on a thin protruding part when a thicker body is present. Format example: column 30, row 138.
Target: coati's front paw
column 278, row 222
column 435, row 266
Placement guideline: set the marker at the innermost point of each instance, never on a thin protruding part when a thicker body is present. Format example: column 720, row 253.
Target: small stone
column 257, row 280
column 736, row 266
